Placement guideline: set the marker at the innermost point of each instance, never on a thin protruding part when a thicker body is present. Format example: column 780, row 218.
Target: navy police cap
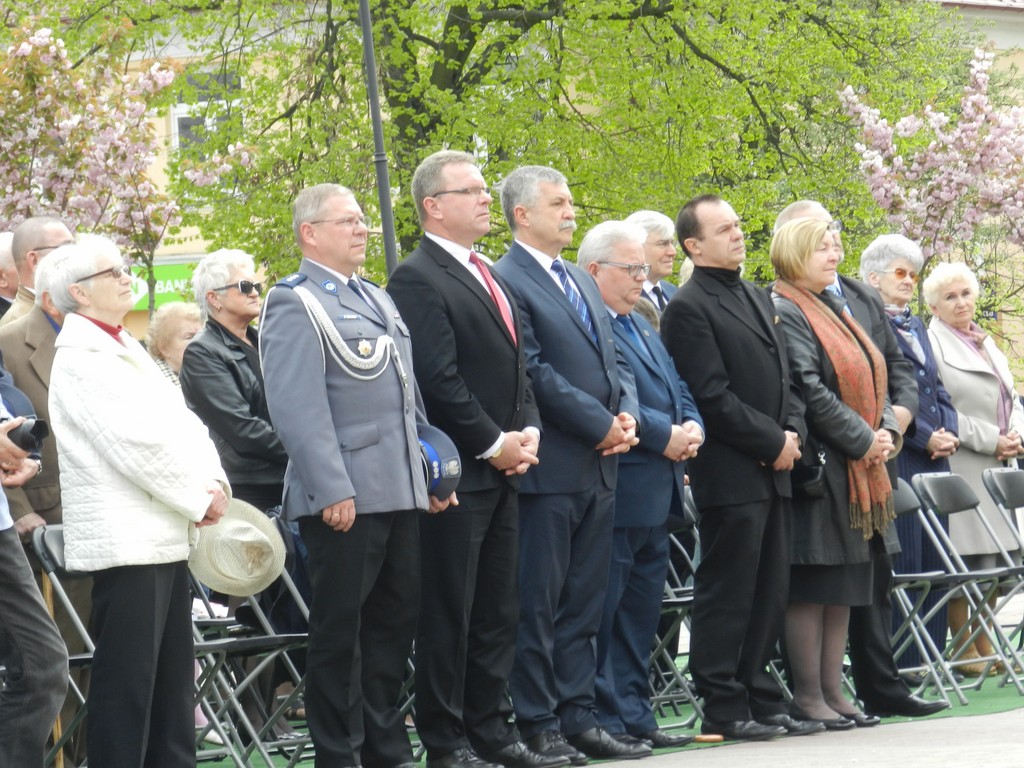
column 441, row 464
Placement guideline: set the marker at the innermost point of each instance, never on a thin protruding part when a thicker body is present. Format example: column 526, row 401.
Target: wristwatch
column 39, row 464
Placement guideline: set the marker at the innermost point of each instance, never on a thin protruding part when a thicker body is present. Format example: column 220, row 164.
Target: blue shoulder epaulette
column 291, row 280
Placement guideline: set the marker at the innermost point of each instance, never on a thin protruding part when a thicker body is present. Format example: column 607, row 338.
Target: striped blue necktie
column 574, row 297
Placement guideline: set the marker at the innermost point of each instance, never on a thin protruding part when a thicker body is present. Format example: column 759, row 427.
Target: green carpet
column 988, row 700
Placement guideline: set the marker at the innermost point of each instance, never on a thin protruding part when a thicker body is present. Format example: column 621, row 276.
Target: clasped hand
column 621, row 436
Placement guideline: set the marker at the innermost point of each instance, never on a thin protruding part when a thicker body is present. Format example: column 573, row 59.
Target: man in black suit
column 660, row 253
column 873, row 667
column 723, row 334
column 468, row 357
column 587, row 400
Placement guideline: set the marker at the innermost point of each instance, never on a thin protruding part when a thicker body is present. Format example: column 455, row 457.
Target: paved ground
column 983, row 741
column 986, row 741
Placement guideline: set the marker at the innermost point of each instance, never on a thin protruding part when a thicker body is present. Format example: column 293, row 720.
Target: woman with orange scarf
column 842, row 495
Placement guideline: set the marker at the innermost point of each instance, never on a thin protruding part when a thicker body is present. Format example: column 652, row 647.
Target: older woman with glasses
column 138, row 473
column 222, row 380
column 990, row 423
column 891, row 264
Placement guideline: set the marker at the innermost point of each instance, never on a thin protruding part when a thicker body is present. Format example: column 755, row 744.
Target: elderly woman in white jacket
column 138, row 473
column 991, row 421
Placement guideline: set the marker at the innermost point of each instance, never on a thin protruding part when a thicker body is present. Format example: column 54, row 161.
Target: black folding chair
column 944, row 493
column 671, row 688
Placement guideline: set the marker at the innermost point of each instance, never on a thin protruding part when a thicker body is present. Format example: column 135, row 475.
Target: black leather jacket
column 226, row 392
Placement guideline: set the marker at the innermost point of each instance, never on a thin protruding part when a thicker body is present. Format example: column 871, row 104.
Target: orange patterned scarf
column 863, row 384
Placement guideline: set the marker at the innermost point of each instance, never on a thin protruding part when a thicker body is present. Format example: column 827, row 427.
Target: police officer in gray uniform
column 339, row 382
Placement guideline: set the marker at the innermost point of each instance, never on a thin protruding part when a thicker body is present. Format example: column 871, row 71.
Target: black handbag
column 809, row 479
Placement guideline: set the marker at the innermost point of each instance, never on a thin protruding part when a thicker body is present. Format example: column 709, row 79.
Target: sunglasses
column 902, row 274
column 116, row 272
column 245, row 287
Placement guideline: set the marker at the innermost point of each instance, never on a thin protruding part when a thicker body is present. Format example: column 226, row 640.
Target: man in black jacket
column 468, row 356
column 724, row 337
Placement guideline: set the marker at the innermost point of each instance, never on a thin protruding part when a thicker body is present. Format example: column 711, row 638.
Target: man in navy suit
column 651, row 483
column 587, row 401
column 660, row 253
column 468, row 355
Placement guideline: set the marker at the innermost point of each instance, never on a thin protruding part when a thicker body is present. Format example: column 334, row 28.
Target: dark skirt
column 848, row 584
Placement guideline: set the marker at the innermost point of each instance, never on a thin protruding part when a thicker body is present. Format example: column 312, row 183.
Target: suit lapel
column 956, row 353
column 547, row 285
column 733, row 304
column 457, row 272
column 39, row 336
column 623, row 338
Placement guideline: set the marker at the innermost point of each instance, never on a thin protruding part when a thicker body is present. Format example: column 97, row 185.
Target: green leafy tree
column 642, row 104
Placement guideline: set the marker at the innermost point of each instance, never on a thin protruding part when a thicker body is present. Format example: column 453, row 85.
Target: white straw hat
column 241, row 555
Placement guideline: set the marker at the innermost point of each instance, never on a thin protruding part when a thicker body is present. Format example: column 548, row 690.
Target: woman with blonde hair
column 171, row 328
column 844, row 496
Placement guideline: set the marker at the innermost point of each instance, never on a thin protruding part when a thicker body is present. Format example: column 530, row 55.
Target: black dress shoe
column 743, row 730
column 518, row 755
column 863, row 721
column 628, row 738
column 600, row 744
column 463, row 757
column 911, row 706
column 835, row 724
column 839, row 724
column 660, row 739
column 793, row 726
column 553, row 744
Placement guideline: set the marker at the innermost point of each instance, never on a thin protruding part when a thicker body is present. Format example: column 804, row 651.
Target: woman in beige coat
column 991, row 420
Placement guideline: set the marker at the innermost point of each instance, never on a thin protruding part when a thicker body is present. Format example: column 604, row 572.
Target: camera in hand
column 29, row 434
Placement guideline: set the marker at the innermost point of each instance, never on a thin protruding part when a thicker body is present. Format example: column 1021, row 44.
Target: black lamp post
column 380, row 158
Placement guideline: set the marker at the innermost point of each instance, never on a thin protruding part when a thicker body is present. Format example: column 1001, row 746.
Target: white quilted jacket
column 135, row 462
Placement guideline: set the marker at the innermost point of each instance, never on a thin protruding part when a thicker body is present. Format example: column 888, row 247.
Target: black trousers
column 469, row 611
column 740, row 592
column 141, row 698
column 361, row 626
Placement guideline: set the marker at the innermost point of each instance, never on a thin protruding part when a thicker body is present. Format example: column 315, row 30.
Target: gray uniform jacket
column 348, row 432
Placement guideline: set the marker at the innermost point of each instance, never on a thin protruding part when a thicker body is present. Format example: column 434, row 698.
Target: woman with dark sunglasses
column 222, row 380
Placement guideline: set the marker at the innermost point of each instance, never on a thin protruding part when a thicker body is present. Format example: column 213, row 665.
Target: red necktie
column 496, row 297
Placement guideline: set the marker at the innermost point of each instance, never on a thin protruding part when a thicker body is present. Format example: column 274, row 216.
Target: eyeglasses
column 661, row 243
column 902, row 274
column 51, row 247
column 245, row 287
column 835, row 226
column 345, row 222
column 468, row 191
column 632, row 269
column 117, row 272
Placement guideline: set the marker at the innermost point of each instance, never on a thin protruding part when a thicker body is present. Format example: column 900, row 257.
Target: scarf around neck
column 860, row 372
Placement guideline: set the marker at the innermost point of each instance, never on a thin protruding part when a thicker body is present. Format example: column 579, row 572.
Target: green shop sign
column 172, row 284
